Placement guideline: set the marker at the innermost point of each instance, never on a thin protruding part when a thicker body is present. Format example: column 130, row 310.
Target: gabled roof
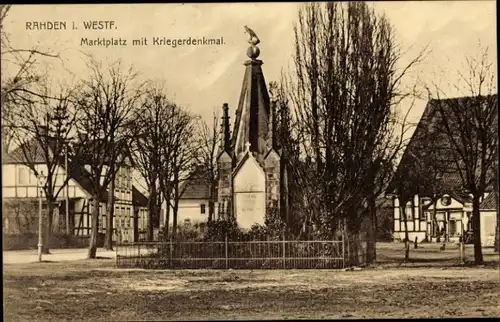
column 489, row 202
column 429, row 145
column 195, row 189
column 138, row 199
column 244, row 158
column 197, row 186
column 88, row 157
column 83, row 178
column 30, row 150
column 35, row 154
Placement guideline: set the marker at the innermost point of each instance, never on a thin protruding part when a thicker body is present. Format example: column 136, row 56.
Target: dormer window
column 445, row 200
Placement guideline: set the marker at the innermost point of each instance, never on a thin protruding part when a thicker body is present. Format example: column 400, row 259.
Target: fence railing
column 233, row 254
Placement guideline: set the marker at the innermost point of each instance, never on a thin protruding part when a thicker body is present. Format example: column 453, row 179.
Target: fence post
column 461, row 248
column 171, row 252
column 284, row 254
column 225, row 251
column 116, row 255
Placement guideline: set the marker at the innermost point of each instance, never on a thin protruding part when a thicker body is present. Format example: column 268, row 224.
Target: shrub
column 30, row 241
column 218, row 230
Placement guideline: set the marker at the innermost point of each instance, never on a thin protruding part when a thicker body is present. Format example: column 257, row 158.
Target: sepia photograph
column 250, row 161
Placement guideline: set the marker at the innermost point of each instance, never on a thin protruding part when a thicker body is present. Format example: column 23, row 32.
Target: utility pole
column 67, row 187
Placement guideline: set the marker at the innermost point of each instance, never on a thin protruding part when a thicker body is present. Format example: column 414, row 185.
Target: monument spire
column 251, row 123
column 225, row 130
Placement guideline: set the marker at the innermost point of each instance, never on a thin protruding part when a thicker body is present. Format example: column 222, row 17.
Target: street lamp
column 41, row 183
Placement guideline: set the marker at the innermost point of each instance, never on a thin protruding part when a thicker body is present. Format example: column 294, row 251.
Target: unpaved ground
column 95, row 291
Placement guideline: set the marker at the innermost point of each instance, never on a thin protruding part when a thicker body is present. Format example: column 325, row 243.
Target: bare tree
column 165, row 154
column 182, row 158
column 294, row 178
column 210, row 139
column 469, row 131
column 43, row 131
column 152, row 136
column 21, row 216
column 20, row 79
column 344, row 88
column 106, row 105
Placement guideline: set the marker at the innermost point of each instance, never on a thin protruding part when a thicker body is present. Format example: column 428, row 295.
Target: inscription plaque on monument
column 249, row 194
column 250, row 208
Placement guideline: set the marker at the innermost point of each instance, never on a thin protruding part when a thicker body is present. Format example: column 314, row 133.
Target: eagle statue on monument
column 253, row 40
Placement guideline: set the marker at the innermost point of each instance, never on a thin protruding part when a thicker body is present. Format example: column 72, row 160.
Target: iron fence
column 232, row 254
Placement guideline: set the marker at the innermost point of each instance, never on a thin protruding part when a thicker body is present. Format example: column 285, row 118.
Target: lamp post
column 41, row 183
column 67, row 186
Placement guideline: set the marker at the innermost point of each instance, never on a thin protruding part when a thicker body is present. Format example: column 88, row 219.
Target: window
column 202, row 208
column 469, row 222
column 22, row 176
column 452, row 227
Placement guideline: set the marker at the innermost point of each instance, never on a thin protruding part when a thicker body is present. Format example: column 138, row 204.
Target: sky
column 202, row 78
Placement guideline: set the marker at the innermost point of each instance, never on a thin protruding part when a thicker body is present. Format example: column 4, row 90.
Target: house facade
column 21, row 188
column 446, row 219
column 194, row 204
column 438, row 206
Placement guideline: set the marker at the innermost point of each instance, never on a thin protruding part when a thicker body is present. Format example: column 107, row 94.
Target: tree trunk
column 353, row 241
column 372, row 231
column 108, row 241
column 497, row 208
column 176, row 203
column 94, row 229
column 407, row 238
column 48, row 227
column 434, row 217
column 158, row 207
column 497, row 231
column 476, row 228
column 174, row 224
column 167, row 214
column 211, row 202
column 151, row 213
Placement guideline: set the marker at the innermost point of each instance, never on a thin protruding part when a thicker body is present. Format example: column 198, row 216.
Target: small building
column 194, row 203
column 20, row 190
column 438, row 206
column 488, row 220
column 140, row 203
